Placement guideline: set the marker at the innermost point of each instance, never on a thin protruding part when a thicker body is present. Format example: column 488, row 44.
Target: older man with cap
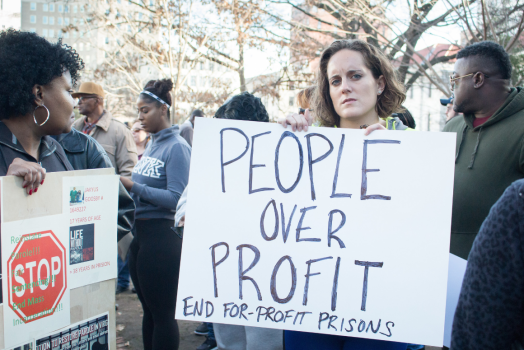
column 115, row 138
column 111, row 134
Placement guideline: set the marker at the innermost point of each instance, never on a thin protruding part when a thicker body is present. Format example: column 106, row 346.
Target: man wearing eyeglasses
column 116, row 139
column 112, row 135
column 490, row 137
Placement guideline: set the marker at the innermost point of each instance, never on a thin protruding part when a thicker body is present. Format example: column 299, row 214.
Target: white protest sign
column 91, row 205
column 326, row 231
column 456, row 272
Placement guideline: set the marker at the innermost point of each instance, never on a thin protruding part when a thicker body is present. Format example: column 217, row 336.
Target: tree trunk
column 241, row 68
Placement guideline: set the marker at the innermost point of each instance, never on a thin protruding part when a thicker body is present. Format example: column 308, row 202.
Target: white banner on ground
column 89, row 334
column 326, row 231
column 88, row 203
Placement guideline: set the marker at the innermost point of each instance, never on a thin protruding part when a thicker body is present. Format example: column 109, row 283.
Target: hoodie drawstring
column 474, row 154
column 461, row 140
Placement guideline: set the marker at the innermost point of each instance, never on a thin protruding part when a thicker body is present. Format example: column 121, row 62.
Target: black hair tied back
column 160, row 88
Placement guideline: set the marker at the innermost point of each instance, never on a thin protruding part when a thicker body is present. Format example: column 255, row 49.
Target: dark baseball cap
column 446, row 101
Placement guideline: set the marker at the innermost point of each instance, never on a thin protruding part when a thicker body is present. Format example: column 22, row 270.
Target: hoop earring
column 34, row 117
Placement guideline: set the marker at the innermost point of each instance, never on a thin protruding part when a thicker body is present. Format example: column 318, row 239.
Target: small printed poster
column 90, row 334
column 76, row 195
column 82, row 239
column 90, row 207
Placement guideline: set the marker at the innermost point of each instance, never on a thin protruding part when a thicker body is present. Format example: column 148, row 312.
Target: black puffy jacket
column 84, row 152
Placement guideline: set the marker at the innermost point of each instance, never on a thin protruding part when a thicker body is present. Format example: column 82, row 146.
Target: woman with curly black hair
column 157, row 183
column 36, row 82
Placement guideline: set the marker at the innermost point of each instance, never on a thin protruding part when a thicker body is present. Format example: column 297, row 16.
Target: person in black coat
column 490, row 311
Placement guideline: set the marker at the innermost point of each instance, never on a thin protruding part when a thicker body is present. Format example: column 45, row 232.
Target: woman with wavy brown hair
column 357, row 88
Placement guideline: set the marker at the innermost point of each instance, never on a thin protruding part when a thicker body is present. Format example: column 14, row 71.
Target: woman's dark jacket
column 84, row 152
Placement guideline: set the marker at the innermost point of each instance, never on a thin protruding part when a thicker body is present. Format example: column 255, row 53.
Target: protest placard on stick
column 327, row 231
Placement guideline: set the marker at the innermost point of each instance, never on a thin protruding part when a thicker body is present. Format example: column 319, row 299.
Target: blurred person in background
column 186, row 129
column 140, row 137
column 448, row 103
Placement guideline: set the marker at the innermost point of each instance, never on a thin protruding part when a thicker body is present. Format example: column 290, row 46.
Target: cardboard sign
column 326, row 231
column 58, row 239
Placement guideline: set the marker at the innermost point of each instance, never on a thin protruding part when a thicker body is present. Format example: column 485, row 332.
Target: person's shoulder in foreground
column 490, row 312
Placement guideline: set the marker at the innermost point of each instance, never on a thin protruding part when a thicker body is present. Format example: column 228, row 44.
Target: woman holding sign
column 36, row 82
column 357, row 89
column 157, row 183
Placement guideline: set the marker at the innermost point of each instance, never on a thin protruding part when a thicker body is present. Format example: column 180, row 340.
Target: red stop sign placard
column 37, row 276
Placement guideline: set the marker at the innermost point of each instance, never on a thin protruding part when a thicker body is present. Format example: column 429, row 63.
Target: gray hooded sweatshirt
column 161, row 175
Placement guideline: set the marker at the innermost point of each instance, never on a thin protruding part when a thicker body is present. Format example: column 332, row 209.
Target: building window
column 44, row 20
column 291, row 101
column 81, row 47
column 211, row 66
column 411, row 91
column 66, row 8
column 201, row 65
column 107, row 40
column 81, row 8
column 66, row 35
column 44, row 33
column 202, row 81
column 51, row 33
column 33, row 6
column 88, row 59
column 45, row 7
column 51, row 20
column 59, row 21
column 60, row 8
column 66, row 21
column 193, row 80
column 32, row 30
column 59, row 34
column 32, row 19
column 74, row 34
column 319, row 25
column 51, row 7
column 291, row 85
column 75, row 21
column 429, row 90
column 88, row 46
column 75, row 8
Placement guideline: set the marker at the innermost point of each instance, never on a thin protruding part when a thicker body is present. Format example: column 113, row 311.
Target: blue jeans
column 210, row 331
column 314, row 341
column 123, row 272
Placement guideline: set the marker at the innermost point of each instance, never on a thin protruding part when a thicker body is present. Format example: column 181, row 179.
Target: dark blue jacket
column 490, row 312
column 83, row 152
